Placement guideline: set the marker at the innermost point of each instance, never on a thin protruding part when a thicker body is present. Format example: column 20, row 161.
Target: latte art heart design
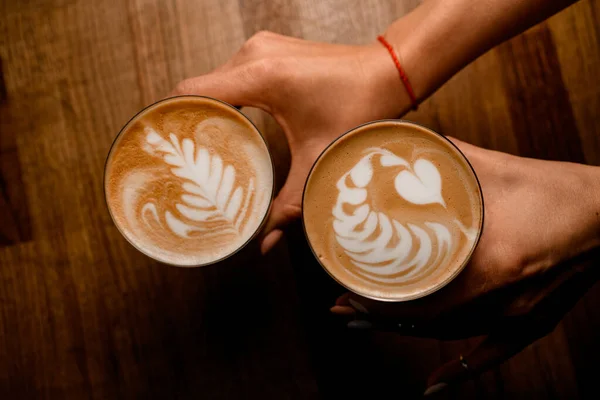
column 381, row 247
column 423, row 186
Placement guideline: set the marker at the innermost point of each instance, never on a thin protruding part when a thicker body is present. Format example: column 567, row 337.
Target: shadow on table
column 349, row 363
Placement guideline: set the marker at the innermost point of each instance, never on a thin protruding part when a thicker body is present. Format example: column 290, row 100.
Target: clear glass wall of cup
column 189, row 181
column 392, row 210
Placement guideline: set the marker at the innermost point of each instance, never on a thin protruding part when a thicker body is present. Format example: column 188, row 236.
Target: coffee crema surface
column 189, row 181
column 392, row 210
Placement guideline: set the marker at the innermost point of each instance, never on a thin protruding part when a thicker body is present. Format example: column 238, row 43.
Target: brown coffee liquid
column 189, row 180
column 392, row 210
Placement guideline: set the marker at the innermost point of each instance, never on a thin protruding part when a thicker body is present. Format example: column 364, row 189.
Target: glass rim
column 271, row 162
column 450, row 277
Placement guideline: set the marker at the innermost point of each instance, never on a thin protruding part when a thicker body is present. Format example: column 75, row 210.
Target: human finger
column 246, row 85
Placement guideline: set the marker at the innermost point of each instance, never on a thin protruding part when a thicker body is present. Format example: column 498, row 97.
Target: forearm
column 440, row 37
column 594, row 181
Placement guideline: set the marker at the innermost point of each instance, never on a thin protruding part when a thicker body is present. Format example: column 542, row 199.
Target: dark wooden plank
column 576, row 34
column 540, row 110
column 2, row 84
column 15, row 225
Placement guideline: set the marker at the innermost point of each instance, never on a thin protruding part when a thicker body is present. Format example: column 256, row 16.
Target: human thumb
column 287, row 205
column 285, row 209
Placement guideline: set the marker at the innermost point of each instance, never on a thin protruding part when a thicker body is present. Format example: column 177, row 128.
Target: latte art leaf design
column 212, row 203
column 382, row 248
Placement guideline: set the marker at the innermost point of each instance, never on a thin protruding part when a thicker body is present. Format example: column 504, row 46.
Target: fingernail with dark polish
column 435, row 388
column 359, row 324
column 359, row 307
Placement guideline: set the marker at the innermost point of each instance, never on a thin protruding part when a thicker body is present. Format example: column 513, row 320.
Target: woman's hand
column 542, row 224
column 315, row 91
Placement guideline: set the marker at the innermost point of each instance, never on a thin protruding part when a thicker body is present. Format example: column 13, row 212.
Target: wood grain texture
column 84, row 315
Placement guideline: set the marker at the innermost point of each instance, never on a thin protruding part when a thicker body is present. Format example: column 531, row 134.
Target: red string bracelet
column 403, row 77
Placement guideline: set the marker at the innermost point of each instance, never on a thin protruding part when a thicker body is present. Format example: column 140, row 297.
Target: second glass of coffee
column 392, row 210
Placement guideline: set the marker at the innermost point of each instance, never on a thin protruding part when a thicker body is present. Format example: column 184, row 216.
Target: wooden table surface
column 84, row 315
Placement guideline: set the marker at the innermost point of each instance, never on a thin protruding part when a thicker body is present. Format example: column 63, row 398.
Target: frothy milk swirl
column 366, row 234
column 392, row 210
column 189, row 187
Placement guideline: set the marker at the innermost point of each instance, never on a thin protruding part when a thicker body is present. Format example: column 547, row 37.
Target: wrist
column 384, row 81
column 421, row 41
column 409, row 37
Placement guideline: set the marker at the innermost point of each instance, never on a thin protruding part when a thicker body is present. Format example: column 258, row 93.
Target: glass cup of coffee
column 189, row 181
column 392, row 210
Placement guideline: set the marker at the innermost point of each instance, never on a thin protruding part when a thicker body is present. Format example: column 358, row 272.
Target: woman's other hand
column 535, row 259
column 315, row 91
